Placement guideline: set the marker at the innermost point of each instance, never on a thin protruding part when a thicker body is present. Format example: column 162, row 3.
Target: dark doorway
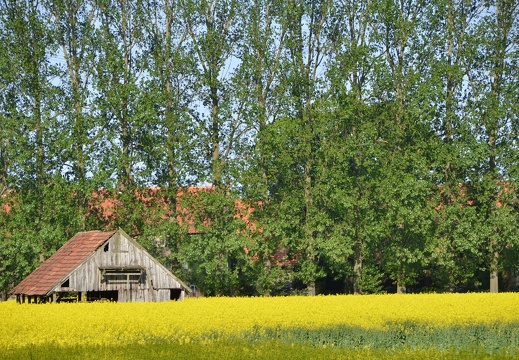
column 109, row 295
column 174, row 294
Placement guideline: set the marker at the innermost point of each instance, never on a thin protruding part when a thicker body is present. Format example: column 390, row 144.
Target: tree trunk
column 400, row 284
column 400, row 288
column 357, row 270
column 311, row 288
column 215, row 137
column 494, row 285
column 4, row 163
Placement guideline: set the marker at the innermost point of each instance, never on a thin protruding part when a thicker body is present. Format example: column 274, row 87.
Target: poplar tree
column 354, row 157
column 119, row 63
column 34, row 219
column 169, row 90
column 259, row 88
column 452, row 259
column 403, row 92
column 493, row 82
column 308, row 48
column 73, row 23
column 214, row 30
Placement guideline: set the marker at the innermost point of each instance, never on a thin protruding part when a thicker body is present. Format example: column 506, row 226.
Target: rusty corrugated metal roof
column 59, row 265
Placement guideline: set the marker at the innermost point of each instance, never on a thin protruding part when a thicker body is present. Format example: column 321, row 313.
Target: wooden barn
column 97, row 265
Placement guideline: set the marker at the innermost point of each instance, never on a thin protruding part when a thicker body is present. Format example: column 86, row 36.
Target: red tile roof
column 105, row 205
column 70, row 255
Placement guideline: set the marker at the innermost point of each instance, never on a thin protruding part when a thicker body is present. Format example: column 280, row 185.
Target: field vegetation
column 374, row 326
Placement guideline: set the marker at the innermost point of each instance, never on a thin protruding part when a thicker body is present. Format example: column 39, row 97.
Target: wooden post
column 54, row 297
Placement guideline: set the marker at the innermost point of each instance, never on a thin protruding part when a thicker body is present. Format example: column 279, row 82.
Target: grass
column 237, row 350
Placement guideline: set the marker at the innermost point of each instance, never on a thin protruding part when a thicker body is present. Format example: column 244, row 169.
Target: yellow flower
column 206, row 319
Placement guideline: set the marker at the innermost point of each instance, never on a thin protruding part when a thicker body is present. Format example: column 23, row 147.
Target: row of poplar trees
column 376, row 141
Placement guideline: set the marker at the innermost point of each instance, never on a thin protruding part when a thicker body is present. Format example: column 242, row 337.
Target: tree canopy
column 334, row 146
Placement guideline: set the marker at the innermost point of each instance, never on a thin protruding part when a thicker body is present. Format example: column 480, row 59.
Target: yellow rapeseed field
column 108, row 324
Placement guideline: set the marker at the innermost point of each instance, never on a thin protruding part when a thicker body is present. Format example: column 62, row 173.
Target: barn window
column 66, row 283
column 123, row 277
column 107, row 247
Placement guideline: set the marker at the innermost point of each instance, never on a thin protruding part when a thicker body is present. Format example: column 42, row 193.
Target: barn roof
column 68, row 257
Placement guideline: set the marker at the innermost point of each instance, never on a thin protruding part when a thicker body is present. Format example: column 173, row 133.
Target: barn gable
column 96, row 265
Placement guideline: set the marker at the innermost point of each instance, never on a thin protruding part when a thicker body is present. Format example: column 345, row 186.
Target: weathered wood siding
column 119, row 252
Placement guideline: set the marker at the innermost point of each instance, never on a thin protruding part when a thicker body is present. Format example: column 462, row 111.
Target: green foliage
column 375, row 141
column 215, row 254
